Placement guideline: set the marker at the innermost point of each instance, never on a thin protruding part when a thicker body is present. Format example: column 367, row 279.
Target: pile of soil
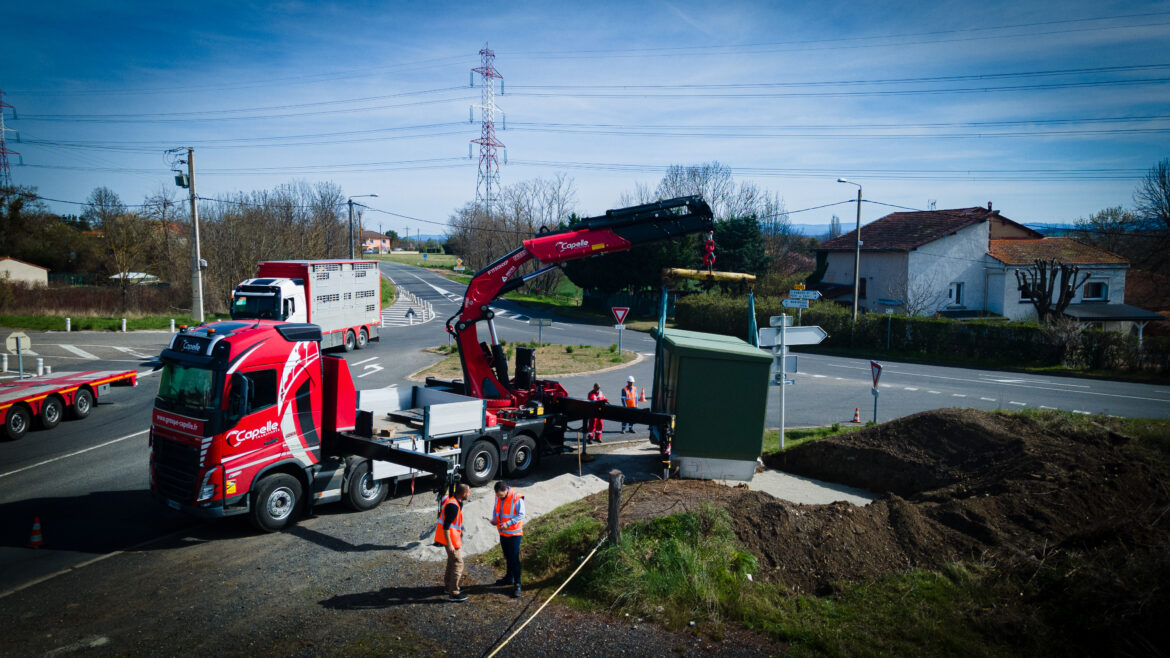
column 957, row 484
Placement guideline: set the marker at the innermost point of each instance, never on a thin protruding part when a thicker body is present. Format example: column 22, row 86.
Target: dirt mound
column 958, row 484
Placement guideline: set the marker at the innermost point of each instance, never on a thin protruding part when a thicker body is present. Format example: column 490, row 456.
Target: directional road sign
column 620, row 313
column 540, row 322
column 804, row 294
column 775, row 320
column 770, row 336
column 794, row 303
column 18, row 339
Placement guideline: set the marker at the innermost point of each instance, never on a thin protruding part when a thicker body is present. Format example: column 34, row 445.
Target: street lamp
column 350, row 202
column 857, row 250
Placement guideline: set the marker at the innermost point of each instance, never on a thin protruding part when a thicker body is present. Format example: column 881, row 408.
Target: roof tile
column 903, row 231
column 1065, row 250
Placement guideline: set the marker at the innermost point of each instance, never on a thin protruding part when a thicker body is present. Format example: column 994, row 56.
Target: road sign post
column 18, row 342
column 876, row 369
column 779, row 336
column 619, row 314
column 540, row 324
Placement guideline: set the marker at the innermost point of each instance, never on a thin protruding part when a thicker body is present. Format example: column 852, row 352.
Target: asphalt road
column 87, row 480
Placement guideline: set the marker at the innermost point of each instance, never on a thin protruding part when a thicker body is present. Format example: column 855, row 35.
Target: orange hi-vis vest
column 507, row 514
column 630, row 395
column 456, row 526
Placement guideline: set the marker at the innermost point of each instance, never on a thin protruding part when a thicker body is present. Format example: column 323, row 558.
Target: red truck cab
column 239, row 418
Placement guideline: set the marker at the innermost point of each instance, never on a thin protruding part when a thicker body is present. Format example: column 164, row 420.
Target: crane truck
column 253, row 419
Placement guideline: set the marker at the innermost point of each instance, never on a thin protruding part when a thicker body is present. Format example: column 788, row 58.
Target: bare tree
column 1043, row 280
column 834, row 227
column 920, row 295
column 1152, row 197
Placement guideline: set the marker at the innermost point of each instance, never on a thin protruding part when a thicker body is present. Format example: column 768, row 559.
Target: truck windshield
column 255, row 307
column 188, row 388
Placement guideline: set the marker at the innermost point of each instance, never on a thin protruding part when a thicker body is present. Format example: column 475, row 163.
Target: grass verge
column 795, row 437
column 551, row 359
column 82, row 323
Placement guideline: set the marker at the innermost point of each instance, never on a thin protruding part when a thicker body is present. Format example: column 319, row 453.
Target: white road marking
column 911, row 388
column 131, row 351
column 372, row 358
column 933, row 392
column 819, row 376
column 1018, row 404
column 1083, row 413
column 840, row 379
column 1047, row 407
column 78, row 351
column 988, row 399
column 74, row 454
column 958, row 395
column 371, row 369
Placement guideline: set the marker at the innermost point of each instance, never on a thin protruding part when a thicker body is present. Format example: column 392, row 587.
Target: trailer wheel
column 51, row 412
column 482, row 463
column 17, row 422
column 365, row 493
column 275, row 502
column 82, row 404
column 363, row 339
column 521, row 456
column 350, row 341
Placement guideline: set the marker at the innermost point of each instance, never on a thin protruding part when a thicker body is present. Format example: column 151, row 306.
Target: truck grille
column 176, row 469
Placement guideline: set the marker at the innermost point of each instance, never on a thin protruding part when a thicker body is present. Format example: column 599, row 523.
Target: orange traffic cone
column 857, row 414
column 642, row 397
column 35, row 540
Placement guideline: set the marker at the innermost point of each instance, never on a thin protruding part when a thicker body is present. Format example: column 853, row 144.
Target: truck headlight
column 206, row 491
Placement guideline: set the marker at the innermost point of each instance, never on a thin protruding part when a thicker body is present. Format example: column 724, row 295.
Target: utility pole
column 196, row 269
column 857, row 250
column 350, row 202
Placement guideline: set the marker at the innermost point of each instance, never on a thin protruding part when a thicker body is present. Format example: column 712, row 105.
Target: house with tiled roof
column 963, row 263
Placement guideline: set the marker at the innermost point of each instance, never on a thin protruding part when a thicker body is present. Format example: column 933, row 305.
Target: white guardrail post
column 40, row 367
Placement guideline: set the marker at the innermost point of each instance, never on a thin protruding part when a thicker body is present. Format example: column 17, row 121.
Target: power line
column 862, row 82
column 873, row 92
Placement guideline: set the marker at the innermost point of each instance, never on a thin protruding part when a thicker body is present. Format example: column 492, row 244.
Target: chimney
column 989, row 205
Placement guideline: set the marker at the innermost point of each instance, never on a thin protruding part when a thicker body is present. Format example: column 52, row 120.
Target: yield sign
column 877, row 371
column 620, row 313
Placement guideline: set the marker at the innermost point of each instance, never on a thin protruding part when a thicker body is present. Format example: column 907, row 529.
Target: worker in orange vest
column 595, row 424
column 449, row 534
column 629, row 399
column 508, row 517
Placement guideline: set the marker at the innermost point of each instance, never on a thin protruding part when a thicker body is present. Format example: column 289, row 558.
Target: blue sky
column 1052, row 111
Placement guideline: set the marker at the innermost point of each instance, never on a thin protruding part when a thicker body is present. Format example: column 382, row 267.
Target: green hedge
column 984, row 341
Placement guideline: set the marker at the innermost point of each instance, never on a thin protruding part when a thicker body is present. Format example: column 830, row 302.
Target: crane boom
column 484, row 366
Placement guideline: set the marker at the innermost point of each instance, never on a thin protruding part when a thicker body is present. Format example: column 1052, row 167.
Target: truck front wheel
column 482, row 463
column 350, row 341
column 17, row 422
column 365, row 493
column 275, row 503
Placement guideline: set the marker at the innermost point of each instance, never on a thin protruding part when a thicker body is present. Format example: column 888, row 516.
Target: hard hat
column 630, row 379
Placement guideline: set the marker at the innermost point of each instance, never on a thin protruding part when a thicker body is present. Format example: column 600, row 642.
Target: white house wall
column 959, row 257
column 885, row 274
column 1111, row 275
column 15, row 270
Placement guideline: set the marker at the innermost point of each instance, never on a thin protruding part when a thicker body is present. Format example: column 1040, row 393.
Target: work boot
column 457, row 598
column 516, row 593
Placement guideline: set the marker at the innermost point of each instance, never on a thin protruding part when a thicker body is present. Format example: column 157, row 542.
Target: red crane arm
column 484, row 368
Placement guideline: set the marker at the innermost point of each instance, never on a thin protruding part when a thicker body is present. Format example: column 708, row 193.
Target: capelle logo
column 569, row 246
column 236, row 437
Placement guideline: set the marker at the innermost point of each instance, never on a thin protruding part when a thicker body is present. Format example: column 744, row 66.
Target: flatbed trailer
column 49, row 399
